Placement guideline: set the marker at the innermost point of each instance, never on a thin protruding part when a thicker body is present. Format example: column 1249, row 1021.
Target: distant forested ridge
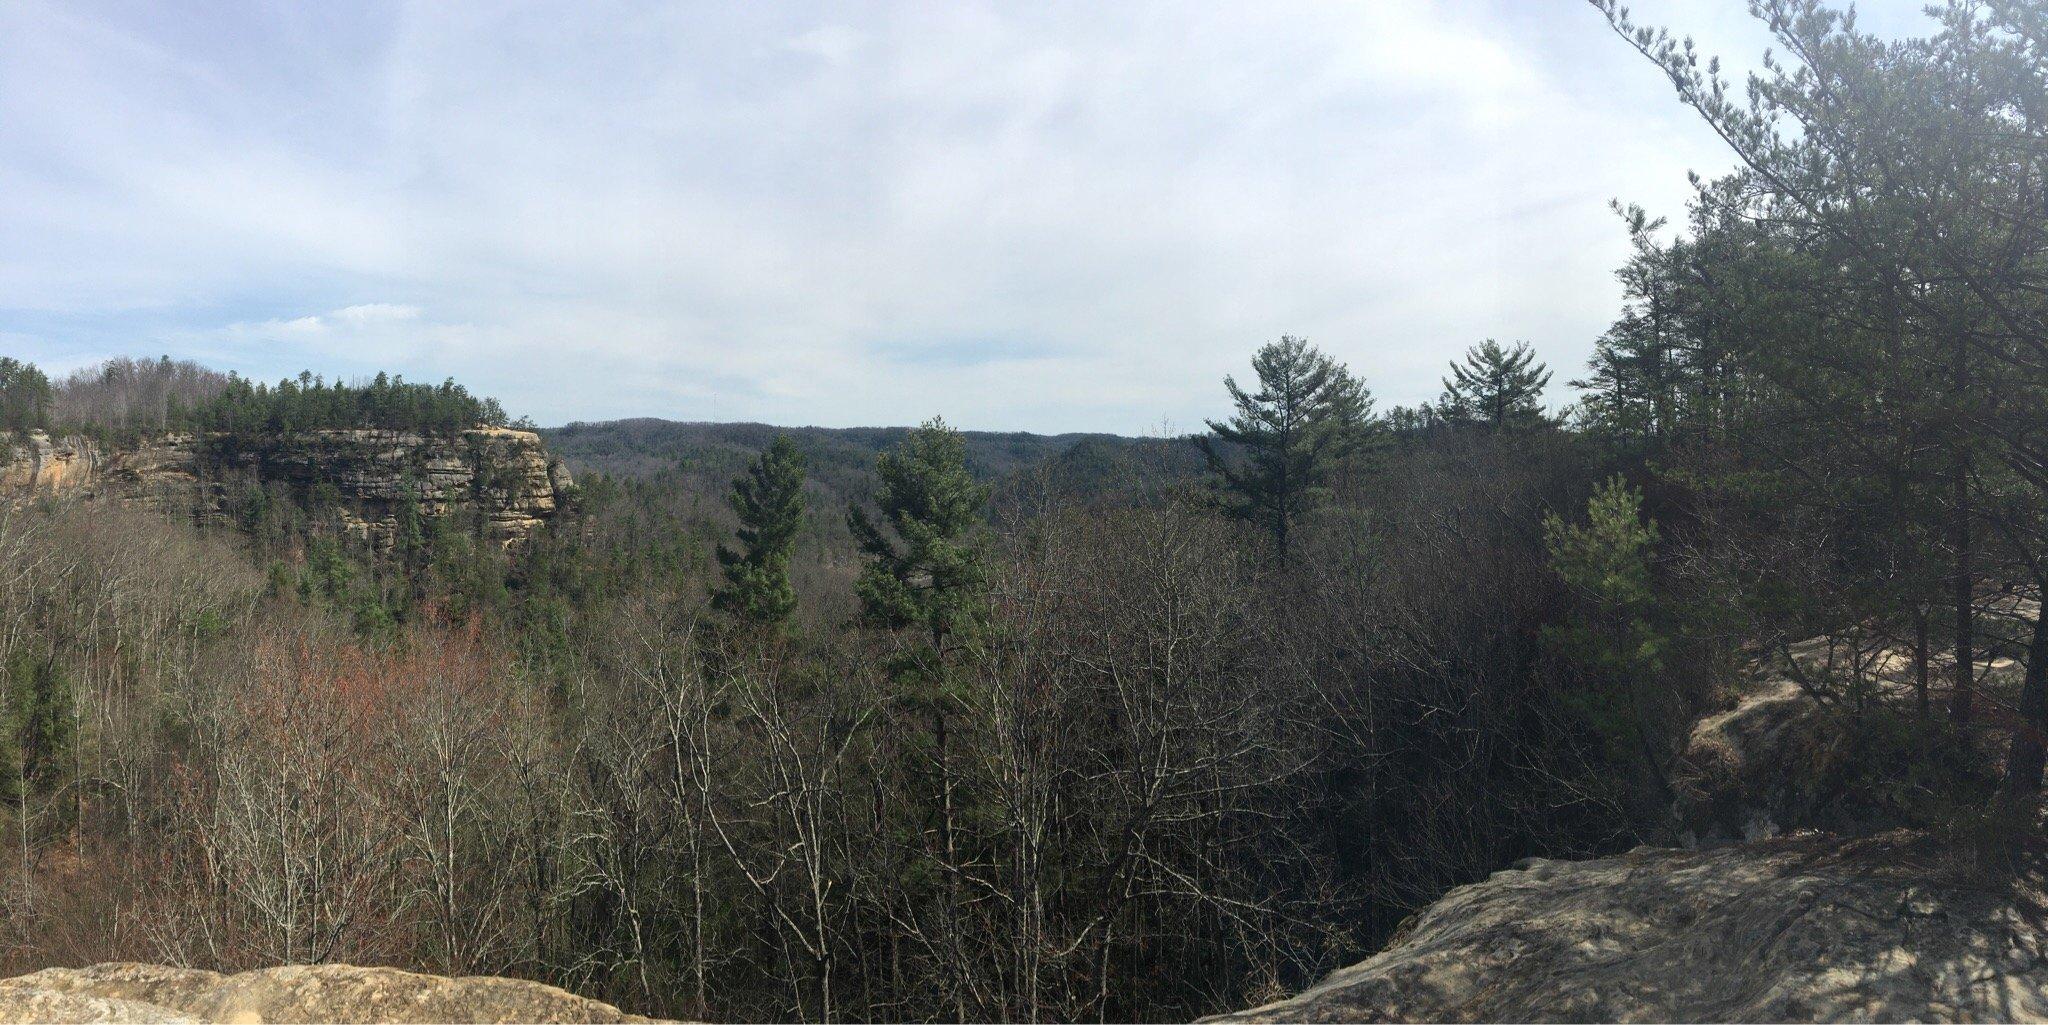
column 841, row 456
column 691, row 464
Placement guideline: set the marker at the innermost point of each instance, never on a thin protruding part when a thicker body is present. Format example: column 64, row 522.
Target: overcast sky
column 1024, row 216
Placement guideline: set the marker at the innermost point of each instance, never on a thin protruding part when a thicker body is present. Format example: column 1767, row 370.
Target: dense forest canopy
column 24, row 396
column 922, row 725
column 123, row 398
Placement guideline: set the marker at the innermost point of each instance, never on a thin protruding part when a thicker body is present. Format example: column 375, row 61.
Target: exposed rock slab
column 291, row 993
column 1801, row 928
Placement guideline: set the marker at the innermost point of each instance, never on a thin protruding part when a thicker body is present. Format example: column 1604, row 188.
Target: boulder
column 290, row 993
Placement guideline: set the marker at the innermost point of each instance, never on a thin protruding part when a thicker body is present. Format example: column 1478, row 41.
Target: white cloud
column 376, row 313
column 1025, row 216
column 346, row 320
column 835, row 44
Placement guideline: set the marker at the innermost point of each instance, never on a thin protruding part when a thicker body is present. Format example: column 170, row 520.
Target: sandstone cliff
column 504, row 477
column 37, row 465
column 291, row 993
column 1802, row 928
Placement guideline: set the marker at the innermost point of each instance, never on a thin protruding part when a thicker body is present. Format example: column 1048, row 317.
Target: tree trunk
column 1920, row 660
column 1963, row 587
column 2024, row 760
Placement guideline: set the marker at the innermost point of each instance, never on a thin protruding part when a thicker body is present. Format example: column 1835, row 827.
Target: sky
column 1023, row 216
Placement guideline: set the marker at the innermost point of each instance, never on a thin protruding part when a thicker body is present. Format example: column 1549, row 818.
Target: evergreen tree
column 36, row 726
column 1498, row 387
column 927, row 584
column 24, row 396
column 1308, row 414
column 1910, row 169
column 931, row 573
column 769, row 499
column 1614, row 638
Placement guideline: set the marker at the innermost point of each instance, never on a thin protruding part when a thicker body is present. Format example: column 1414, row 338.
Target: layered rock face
column 38, row 465
column 505, row 477
column 291, row 993
column 502, row 475
column 1801, row 928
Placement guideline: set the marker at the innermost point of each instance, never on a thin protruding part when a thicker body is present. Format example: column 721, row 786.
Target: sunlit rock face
column 504, row 478
column 289, row 993
column 38, row 465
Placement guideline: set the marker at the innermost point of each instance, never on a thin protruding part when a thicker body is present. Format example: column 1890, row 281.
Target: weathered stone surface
column 37, row 465
column 1799, row 928
column 290, row 993
column 505, row 476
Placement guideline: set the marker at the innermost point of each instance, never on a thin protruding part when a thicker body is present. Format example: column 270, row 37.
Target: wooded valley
column 924, row 725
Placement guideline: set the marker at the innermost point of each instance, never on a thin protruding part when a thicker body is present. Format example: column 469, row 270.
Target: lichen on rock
column 289, row 993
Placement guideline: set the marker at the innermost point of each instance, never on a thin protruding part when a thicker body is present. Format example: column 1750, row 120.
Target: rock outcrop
column 1798, row 928
column 35, row 464
column 504, row 477
column 292, row 993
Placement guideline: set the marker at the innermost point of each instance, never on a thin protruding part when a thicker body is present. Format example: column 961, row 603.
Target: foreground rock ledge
column 1802, row 928
column 292, row 993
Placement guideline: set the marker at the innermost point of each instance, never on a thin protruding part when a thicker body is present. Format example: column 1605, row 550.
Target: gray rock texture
column 291, row 993
column 1797, row 928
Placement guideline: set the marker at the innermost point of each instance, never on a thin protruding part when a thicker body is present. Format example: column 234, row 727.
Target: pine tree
column 929, row 575
column 1614, row 636
column 769, row 499
column 37, row 731
column 927, row 582
column 1308, row 414
column 24, row 396
column 1497, row 387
